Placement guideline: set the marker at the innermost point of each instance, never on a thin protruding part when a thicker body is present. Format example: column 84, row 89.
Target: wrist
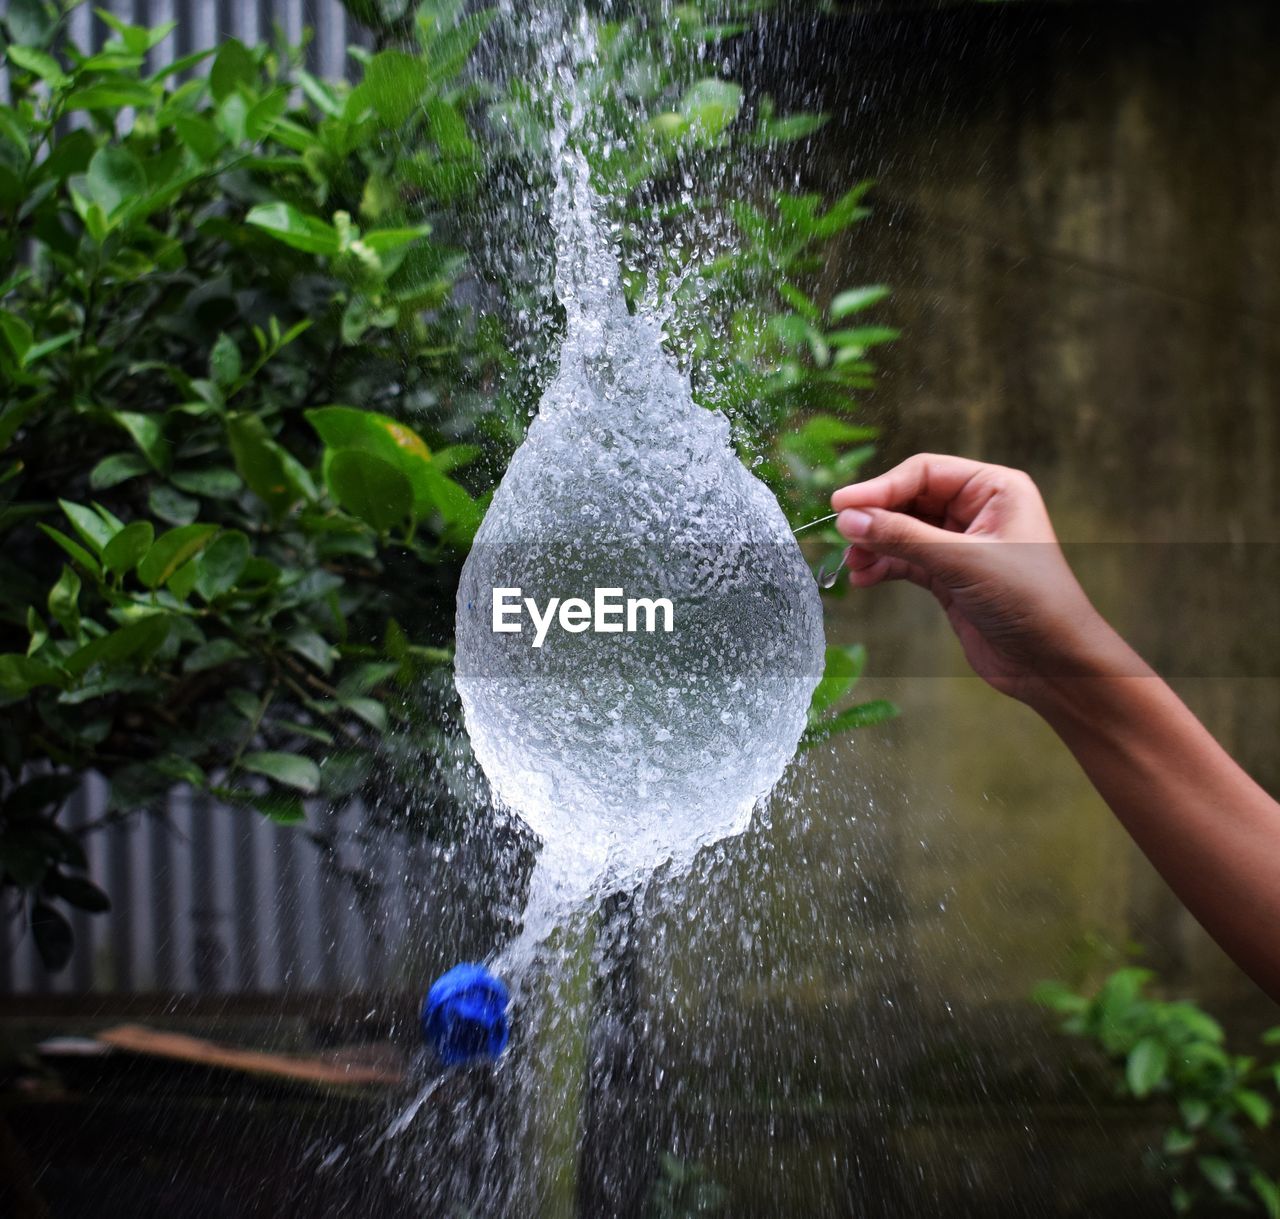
column 1089, row 666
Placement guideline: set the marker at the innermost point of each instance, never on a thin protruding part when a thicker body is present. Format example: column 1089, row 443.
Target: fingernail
column 854, row 523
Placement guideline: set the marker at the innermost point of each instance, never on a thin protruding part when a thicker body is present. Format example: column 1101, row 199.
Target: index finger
column 927, row 484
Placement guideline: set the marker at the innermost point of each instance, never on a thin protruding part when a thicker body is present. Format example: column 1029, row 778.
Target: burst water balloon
column 624, row 748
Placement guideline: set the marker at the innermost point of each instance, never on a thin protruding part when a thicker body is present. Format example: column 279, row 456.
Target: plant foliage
column 1173, row 1055
column 261, row 371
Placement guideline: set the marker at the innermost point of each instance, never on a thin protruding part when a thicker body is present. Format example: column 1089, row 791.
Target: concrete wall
column 1079, row 208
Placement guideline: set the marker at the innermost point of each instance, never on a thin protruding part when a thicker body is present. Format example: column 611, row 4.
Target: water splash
column 623, row 751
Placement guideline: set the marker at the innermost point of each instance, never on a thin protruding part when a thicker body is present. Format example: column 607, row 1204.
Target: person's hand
column 979, row 538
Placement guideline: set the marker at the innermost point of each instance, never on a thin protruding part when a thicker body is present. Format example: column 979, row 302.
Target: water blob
column 634, row 736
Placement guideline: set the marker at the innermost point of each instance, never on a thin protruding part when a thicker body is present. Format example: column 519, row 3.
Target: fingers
column 926, row 482
column 866, row 568
column 918, row 551
column 950, row 491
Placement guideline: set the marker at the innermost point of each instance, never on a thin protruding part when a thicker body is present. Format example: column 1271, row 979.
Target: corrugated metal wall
column 202, row 22
column 207, row 899
column 211, row 900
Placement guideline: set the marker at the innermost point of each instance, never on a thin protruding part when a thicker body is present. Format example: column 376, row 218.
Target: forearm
column 1209, row 829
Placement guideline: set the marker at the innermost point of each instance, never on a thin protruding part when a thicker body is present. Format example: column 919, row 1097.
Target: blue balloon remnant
column 464, row 1016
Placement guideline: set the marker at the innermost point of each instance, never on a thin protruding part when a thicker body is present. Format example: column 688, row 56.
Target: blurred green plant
column 683, row 1190
column 260, row 373
column 843, row 669
column 1171, row 1055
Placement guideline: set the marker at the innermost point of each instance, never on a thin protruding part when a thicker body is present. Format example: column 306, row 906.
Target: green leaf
column 214, row 483
column 37, row 351
column 212, row 654
column 345, row 427
column 711, row 105
column 64, row 601
column 171, row 550
column 37, row 630
column 1218, row 1172
column 393, row 85
column 449, row 129
column 14, row 417
column 88, row 524
column 224, row 361
column 17, row 334
column 139, row 39
column 73, row 549
column 668, row 126
column 864, row 336
column 799, row 302
column 286, row 223
column 389, row 241
column 141, row 638
column 199, row 134
column 248, row 704
column 857, row 299
column 367, row 676
column 115, row 178
column 369, row 710
column 32, row 23
column 312, row 646
column 113, row 522
column 148, row 435
column 863, row 715
column 311, row 731
column 841, row 670
column 1195, row 1112
column 115, row 469
column 268, row 470
column 1253, row 1105
column 113, row 96
column 283, row 807
column 172, row 506
column 1146, row 1067
column 124, row 551
column 1267, row 1191
column 784, row 128
column 184, row 579
column 19, row 674
column 342, row 773
column 455, row 456
column 233, row 66
column 322, row 95
column 370, row 488
column 40, row 64
column 1059, row 998
column 264, row 112
column 1178, row 1142
column 822, row 437
column 221, row 564
column 287, row 768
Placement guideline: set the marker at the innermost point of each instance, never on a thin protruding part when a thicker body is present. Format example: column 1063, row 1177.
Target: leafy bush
column 1173, row 1055
column 262, row 366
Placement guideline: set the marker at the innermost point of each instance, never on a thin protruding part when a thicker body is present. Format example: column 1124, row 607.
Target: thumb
column 940, row 552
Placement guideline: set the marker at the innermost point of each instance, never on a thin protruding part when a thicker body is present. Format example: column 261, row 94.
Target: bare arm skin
column 978, row 537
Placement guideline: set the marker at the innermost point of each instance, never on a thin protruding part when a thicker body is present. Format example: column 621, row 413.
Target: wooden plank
column 178, row 1047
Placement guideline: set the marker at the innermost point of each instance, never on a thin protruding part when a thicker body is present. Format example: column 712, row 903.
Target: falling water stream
column 631, row 749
